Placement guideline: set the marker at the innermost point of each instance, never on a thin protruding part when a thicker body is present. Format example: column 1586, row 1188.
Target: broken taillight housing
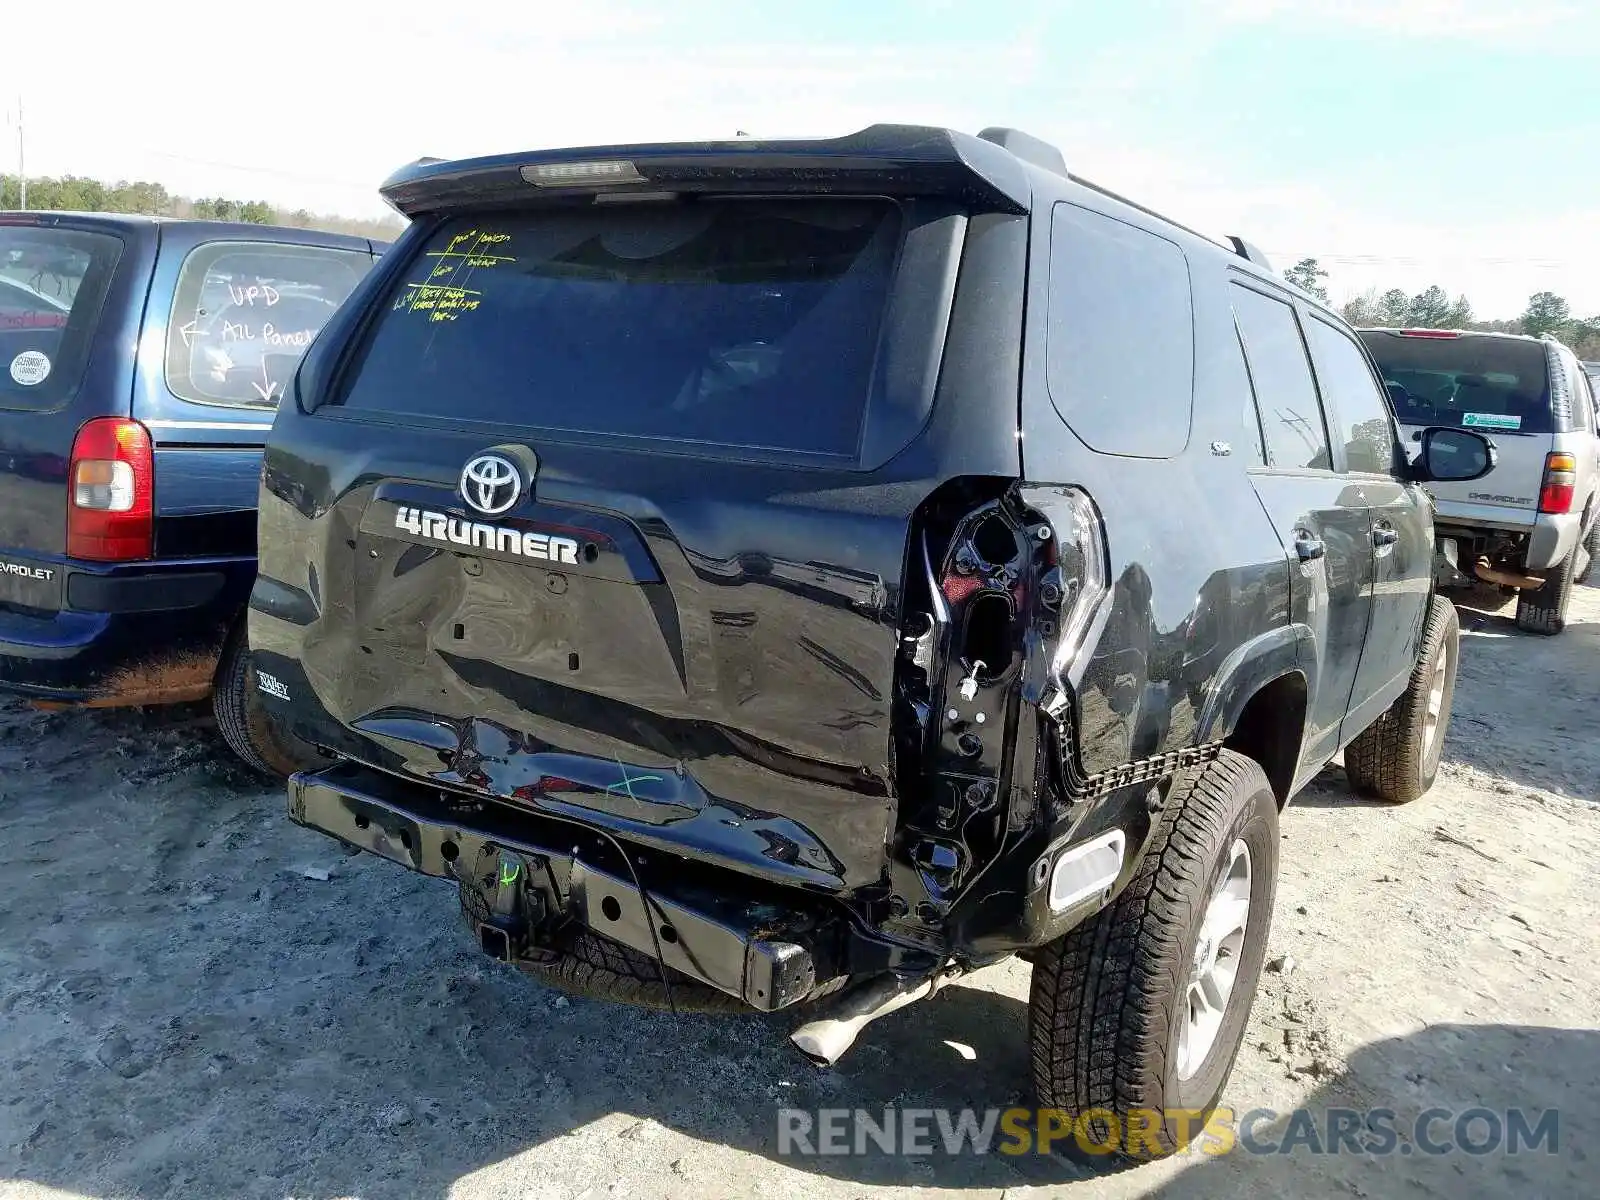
column 1074, row 537
column 1081, row 556
column 111, row 494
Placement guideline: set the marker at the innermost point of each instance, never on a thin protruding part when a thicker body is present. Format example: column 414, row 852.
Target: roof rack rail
column 1147, row 211
column 1249, row 252
column 1026, row 147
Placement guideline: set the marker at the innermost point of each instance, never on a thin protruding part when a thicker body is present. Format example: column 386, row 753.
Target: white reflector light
column 581, row 174
column 1086, row 870
column 103, row 486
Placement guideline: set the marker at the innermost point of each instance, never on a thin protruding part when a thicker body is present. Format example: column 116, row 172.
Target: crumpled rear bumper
column 534, row 874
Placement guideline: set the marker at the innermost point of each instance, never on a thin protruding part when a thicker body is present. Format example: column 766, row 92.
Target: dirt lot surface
column 199, row 1000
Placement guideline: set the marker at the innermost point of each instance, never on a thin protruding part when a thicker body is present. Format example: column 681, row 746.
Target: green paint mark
column 509, row 873
column 627, row 782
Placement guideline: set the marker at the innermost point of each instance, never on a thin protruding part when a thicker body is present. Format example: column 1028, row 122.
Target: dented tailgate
column 614, row 518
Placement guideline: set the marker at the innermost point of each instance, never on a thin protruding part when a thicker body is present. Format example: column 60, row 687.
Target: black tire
column 598, row 968
column 1544, row 610
column 583, row 963
column 1110, row 997
column 1592, row 547
column 1394, row 758
column 245, row 726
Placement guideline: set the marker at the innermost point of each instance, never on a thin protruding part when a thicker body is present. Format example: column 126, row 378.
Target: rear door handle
column 1385, row 535
column 1308, row 546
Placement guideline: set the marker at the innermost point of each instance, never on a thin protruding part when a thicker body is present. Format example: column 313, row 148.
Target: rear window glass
column 750, row 324
column 244, row 313
column 53, row 283
column 1471, row 382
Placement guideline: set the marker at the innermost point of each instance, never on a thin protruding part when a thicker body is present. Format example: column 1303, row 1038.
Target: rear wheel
column 1397, row 756
column 1591, row 547
column 244, row 724
column 1544, row 610
column 1141, row 1010
column 589, row 965
column 581, row 962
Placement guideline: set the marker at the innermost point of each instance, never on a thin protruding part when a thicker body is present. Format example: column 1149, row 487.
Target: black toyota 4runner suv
column 757, row 572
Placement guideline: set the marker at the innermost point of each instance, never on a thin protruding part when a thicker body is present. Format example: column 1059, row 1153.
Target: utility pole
column 22, row 169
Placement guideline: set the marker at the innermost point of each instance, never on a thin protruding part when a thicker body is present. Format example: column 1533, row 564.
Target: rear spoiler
column 883, row 160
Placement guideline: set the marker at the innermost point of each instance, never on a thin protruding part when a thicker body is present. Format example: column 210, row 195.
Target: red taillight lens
column 1429, row 333
column 1560, row 480
column 110, row 501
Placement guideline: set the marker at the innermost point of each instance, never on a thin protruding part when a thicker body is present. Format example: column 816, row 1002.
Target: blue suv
column 141, row 362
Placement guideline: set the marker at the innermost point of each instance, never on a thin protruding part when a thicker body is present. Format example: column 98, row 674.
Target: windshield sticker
column 30, row 367
column 1490, row 421
column 445, row 294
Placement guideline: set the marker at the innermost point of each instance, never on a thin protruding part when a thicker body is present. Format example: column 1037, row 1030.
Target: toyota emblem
column 491, row 484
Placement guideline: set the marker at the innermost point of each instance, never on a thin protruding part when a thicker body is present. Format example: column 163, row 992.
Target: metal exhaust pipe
column 825, row 1039
column 1489, row 574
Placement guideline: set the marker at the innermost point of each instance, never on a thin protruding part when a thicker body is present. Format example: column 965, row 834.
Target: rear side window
column 1291, row 415
column 1120, row 346
column 1471, row 382
column 1238, row 379
column 1353, row 398
column 1583, row 403
column 750, row 324
column 53, row 284
column 244, row 313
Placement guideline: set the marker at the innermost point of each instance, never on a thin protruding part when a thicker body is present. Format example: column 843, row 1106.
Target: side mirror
column 1455, row 455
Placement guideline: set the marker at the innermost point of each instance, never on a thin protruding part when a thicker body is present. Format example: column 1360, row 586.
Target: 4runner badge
column 447, row 530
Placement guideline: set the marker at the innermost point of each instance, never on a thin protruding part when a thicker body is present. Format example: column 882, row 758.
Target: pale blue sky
column 1404, row 142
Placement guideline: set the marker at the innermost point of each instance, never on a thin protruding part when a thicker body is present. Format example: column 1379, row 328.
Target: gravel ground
column 199, row 1000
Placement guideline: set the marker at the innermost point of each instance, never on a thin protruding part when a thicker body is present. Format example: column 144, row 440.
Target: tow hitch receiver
column 504, row 897
column 517, row 889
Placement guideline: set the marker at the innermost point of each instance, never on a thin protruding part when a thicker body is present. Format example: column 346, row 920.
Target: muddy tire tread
column 598, row 968
column 1592, row 545
column 1385, row 759
column 1545, row 610
column 245, row 727
column 1098, row 1036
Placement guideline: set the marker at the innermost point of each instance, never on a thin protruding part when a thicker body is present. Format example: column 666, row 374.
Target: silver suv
column 1531, row 525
